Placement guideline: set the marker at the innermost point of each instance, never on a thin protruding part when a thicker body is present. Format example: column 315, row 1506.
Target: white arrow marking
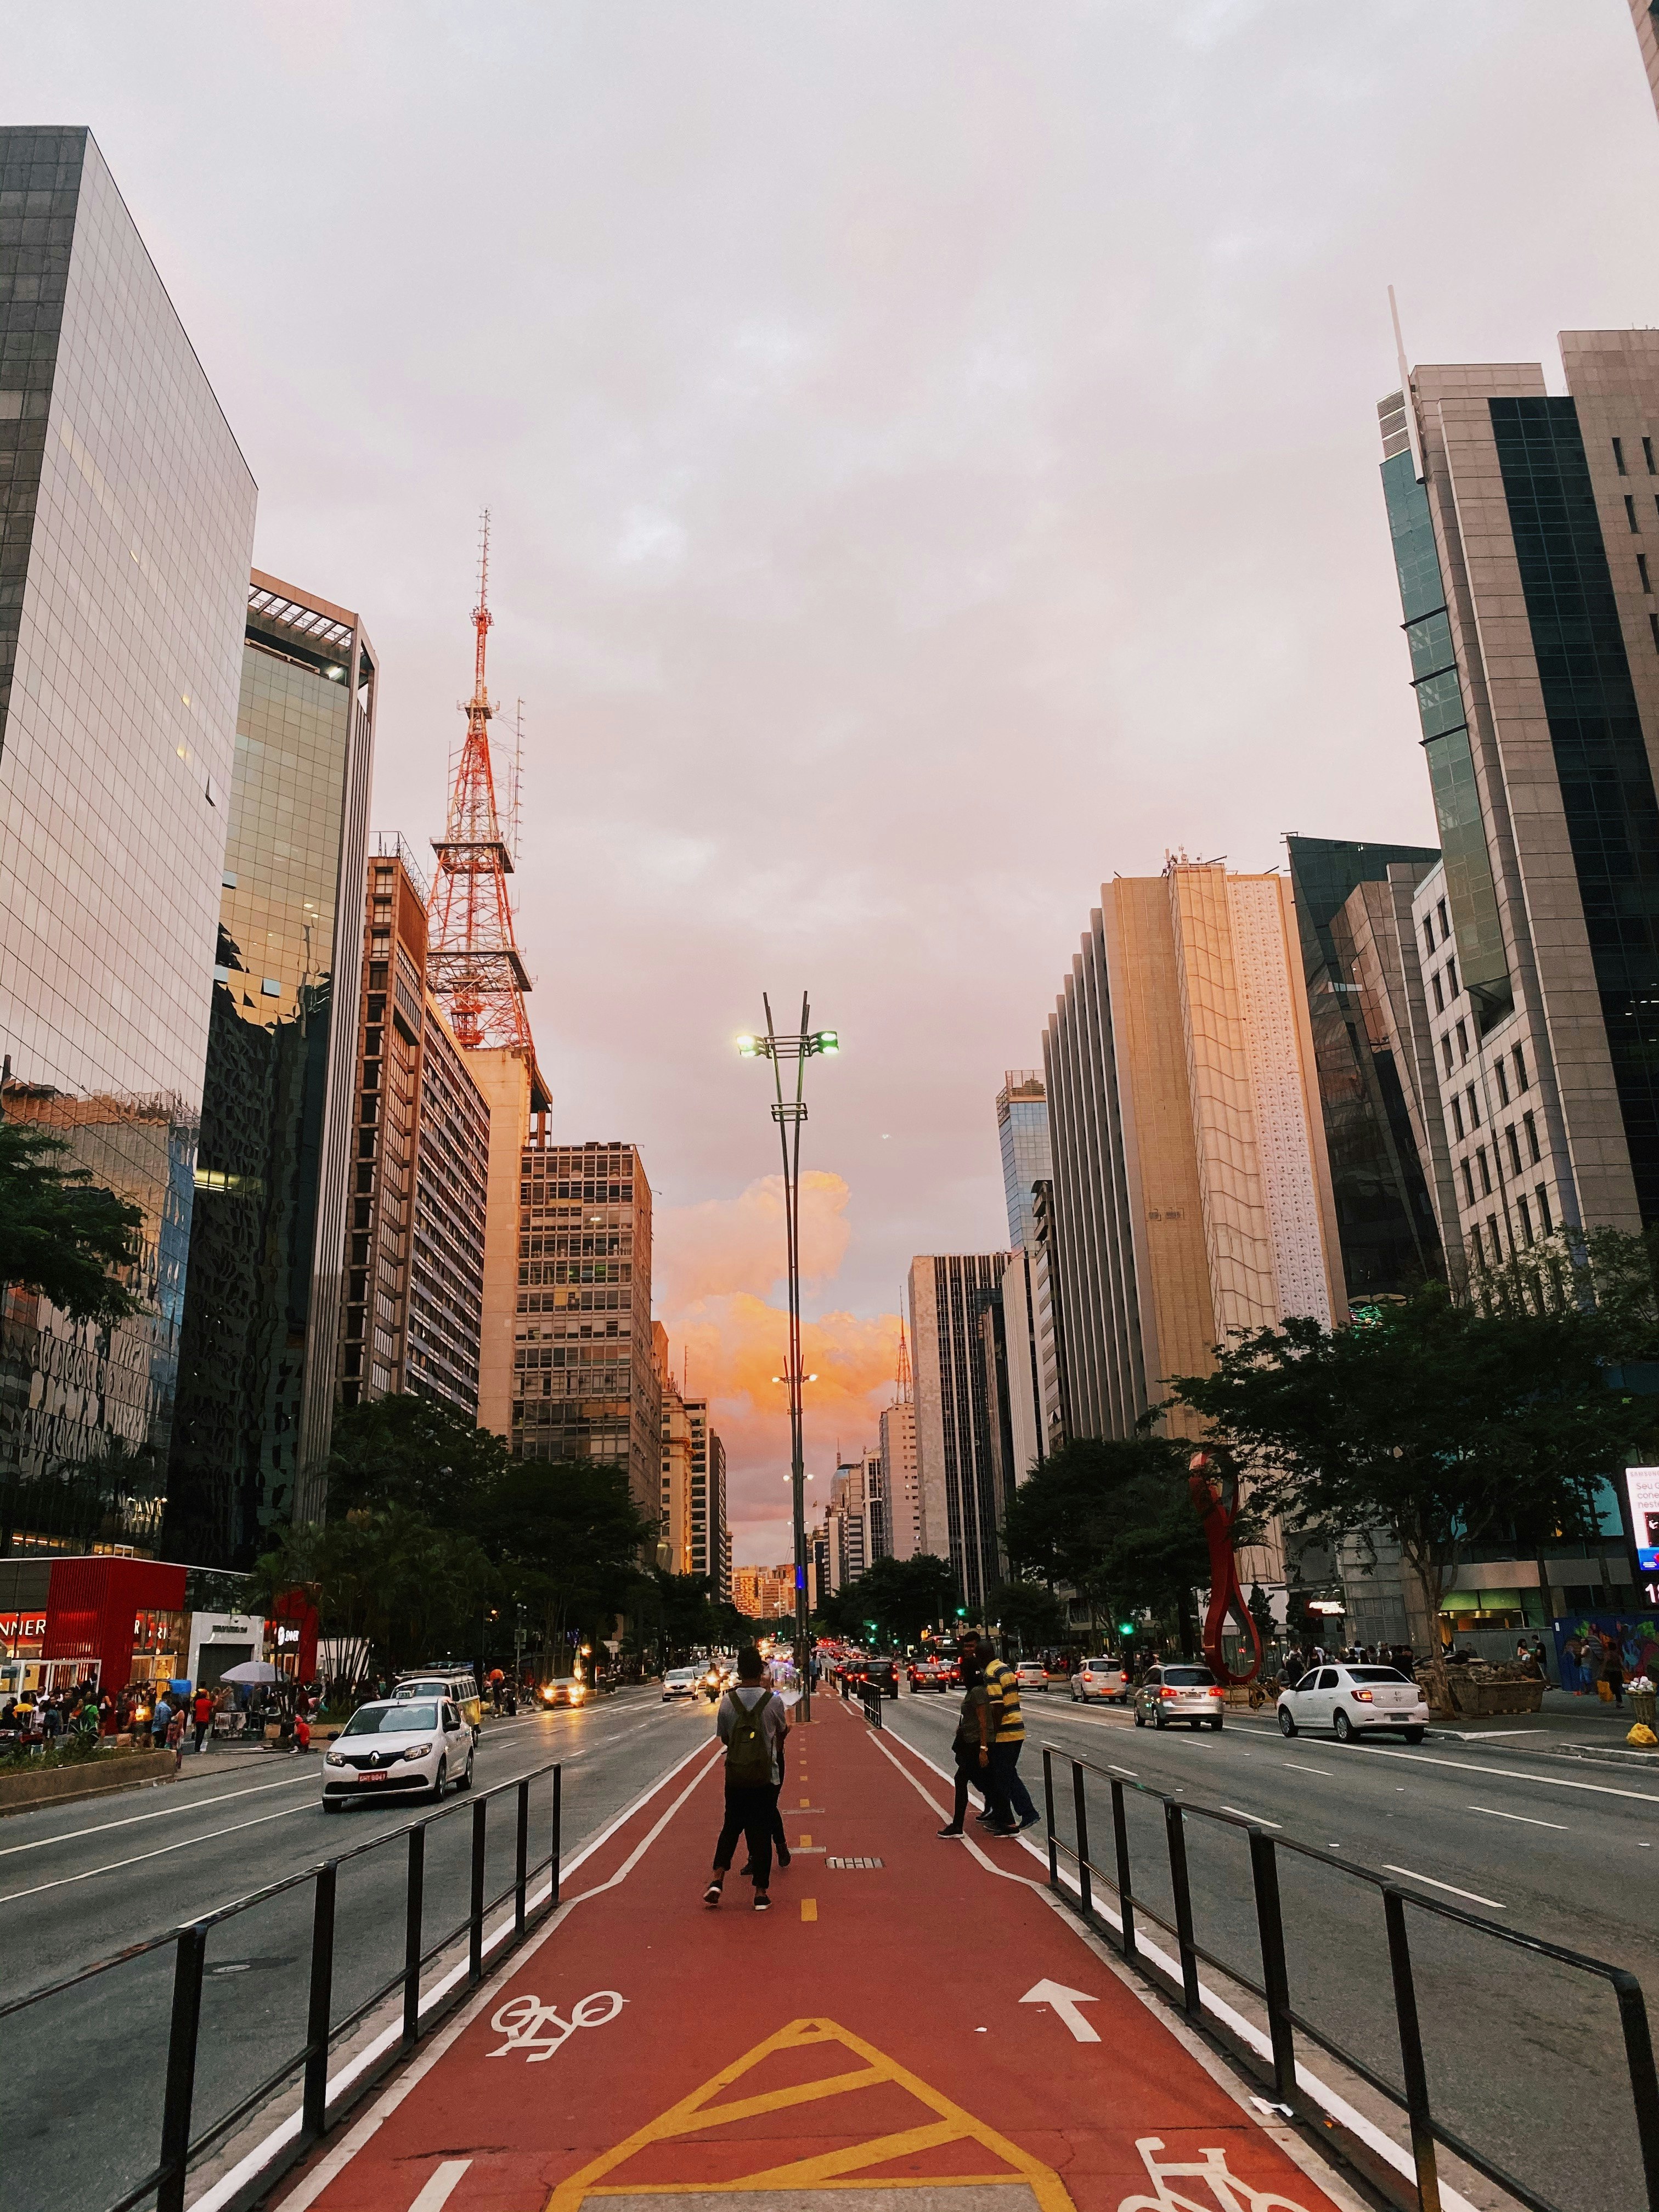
column 1065, row 2002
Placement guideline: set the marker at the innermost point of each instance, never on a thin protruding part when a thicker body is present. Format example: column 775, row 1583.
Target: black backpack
column 747, row 1754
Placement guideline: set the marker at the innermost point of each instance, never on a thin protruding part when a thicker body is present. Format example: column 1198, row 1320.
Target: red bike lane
column 886, row 2027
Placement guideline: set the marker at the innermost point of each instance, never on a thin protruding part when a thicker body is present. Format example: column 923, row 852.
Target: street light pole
column 789, row 1113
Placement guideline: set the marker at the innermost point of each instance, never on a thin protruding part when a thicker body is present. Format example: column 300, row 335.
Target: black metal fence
column 180, row 2152
column 1428, row 2129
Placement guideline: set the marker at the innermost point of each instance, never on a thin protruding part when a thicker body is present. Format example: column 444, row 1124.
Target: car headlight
column 336, row 1758
column 418, row 1751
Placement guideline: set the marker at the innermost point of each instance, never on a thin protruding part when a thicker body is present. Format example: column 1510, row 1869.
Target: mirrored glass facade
column 267, row 1242
column 1027, row 1157
column 126, row 525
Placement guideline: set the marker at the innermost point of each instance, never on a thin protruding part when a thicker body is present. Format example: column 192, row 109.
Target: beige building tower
column 1192, row 1191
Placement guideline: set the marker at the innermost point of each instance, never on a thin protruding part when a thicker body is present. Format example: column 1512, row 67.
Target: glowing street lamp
column 789, row 1113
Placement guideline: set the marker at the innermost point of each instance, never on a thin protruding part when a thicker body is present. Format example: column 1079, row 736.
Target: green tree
column 412, row 1452
column 1113, row 1519
column 61, row 1233
column 1029, row 1612
column 387, row 1583
column 900, row 1596
column 1441, row 1424
column 567, row 1539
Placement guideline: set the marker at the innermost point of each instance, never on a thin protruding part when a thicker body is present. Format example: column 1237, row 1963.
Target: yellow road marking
column 805, row 1844
column 805, row 1804
column 704, row 2108
column 809, row 1908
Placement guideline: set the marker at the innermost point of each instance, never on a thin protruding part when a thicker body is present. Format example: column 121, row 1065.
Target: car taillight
column 1167, row 1692
column 1362, row 1698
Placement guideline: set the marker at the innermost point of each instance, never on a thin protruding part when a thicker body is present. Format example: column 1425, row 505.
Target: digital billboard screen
column 1642, row 1487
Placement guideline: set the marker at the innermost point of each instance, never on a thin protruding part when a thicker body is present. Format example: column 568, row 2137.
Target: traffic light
column 1125, row 1628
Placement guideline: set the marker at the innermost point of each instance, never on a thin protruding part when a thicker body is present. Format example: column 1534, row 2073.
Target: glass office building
column 126, row 527
column 1027, row 1158
column 1385, row 1221
column 267, row 1250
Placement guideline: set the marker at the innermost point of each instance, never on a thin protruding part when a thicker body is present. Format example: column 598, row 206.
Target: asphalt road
column 1525, row 2056
column 80, row 2092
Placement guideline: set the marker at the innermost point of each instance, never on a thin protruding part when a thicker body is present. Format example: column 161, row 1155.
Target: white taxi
column 1354, row 1701
column 397, row 1746
column 681, row 1682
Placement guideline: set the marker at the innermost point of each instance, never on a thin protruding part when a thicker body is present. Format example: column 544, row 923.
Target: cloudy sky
column 932, row 450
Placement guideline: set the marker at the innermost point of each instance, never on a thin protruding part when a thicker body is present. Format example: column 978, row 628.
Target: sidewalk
column 911, row 2014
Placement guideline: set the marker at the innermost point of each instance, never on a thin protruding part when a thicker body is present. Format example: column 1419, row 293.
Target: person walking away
column 1612, row 1670
column 201, row 1714
column 972, row 1746
column 751, row 1723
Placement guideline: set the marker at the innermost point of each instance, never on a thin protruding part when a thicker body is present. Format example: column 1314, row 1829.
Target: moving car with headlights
column 1354, row 1701
column 1179, row 1690
column 399, row 1746
column 1031, row 1675
column 1105, row 1680
column 564, row 1689
column 455, row 1683
column 682, row 1682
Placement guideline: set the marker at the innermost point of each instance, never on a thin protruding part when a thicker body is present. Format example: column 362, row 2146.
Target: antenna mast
column 904, row 1382
column 473, row 962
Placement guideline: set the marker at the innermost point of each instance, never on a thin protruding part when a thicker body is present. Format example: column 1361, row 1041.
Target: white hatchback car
column 682, row 1682
column 396, row 1747
column 1102, row 1679
column 1031, row 1675
column 1178, row 1690
column 1354, row 1701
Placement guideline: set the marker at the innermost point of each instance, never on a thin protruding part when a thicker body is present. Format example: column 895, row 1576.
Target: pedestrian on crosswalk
column 752, row 1723
column 972, row 1746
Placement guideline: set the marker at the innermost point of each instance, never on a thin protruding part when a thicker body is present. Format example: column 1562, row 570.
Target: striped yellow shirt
column 1007, row 1722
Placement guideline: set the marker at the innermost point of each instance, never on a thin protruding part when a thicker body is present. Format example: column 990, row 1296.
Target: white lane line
column 114, row 1866
column 1450, row 1887
column 166, row 1813
column 1526, row 1819
column 1512, row 1774
column 230, row 2185
column 1131, row 1772
column 1257, row 1817
column 1295, row 1769
column 441, row 2187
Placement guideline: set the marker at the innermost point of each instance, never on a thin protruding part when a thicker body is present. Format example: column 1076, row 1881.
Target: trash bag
column 1642, row 1737
column 1604, row 1691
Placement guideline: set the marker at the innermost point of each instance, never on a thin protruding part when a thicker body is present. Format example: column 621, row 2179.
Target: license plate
column 373, row 1777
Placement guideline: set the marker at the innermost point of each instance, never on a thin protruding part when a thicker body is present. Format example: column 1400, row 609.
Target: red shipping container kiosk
column 101, row 1617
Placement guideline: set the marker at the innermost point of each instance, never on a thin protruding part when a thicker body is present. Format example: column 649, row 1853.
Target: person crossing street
column 1007, row 1741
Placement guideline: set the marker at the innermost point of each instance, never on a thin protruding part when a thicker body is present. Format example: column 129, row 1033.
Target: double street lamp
column 789, row 1113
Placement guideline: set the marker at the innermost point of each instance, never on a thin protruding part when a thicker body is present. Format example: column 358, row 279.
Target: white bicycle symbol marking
column 537, row 2029
column 1231, row 2194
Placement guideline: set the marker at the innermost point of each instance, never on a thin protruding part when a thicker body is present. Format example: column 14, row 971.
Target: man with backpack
column 752, row 1724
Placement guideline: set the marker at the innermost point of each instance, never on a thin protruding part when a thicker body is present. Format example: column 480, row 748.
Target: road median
column 22, row 1792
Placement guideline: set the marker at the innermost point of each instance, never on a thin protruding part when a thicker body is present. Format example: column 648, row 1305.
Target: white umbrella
column 251, row 1670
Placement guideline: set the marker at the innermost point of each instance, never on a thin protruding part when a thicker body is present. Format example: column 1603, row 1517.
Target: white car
column 1102, row 1679
column 1031, row 1675
column 682, row 1682
column 1354, row 1701
column 396, row 1747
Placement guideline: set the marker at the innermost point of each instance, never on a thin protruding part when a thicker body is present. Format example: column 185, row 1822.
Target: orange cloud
column 717, row 1268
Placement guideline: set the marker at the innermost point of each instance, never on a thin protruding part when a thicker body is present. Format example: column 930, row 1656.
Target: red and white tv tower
column 472, row 961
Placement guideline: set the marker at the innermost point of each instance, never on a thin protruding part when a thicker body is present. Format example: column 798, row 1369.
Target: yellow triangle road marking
column 707, row 2107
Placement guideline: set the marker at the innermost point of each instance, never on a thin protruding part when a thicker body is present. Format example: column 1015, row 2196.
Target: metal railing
column 180, row 2150
column 870, row 1696
column 1273, row 1990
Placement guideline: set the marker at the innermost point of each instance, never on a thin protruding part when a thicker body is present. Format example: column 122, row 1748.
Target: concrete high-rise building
column 1023, row 1135
column 511, row 1082
column 126, row 537
column 962, row 1506
column 1192, row 1194
column 1534, row 649
column 674, row 1495
column 1386, row 1222
column 267, row 1246
column 765, row 1593
column 584, row 1379
column 903, row 1487
column 414, row 1243
column 710, row 1535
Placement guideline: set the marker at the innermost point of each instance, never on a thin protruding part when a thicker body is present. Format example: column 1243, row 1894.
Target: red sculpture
column 1213, row 1482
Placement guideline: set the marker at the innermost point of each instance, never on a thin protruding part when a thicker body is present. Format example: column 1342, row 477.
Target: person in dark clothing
column 1612, row 1669
column 972, row 1748
column 752, row 1725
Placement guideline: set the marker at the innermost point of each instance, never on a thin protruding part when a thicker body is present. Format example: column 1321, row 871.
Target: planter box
column 1477, row 1692
column 60, row 1786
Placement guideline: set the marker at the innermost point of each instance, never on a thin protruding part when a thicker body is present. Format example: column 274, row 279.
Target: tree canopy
column 60, row 1232
column 1112, row 1518
column 900, row 1596
column 1442, row 1424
